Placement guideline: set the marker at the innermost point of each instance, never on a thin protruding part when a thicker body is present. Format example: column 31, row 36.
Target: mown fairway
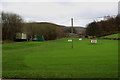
column 56, row 59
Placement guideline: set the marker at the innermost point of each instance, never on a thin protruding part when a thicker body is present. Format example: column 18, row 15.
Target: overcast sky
column 61, row 11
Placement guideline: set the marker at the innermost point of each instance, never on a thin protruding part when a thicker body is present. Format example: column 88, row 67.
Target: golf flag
column 93, row 41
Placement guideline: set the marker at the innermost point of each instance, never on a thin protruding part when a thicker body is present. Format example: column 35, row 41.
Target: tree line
column 13, row 23
column 104, row 27
column 50, row 31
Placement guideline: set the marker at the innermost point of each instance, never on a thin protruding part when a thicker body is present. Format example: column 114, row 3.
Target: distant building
column 107, row 17
column 21, row 37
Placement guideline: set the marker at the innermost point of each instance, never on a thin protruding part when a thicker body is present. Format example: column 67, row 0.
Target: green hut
column 39, row 38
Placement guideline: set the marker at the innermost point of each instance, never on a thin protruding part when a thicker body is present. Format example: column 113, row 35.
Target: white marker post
column 80, row 39
column 70, row 40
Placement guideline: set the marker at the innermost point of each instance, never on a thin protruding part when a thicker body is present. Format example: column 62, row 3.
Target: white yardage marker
column 80, row 39
column 70, row 40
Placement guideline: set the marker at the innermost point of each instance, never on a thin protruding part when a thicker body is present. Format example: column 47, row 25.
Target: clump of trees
column 104, row 27
column 93, row 29
column 50, row 31
column 11, row 24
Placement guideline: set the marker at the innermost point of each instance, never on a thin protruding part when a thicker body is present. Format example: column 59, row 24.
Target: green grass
column 112, row 36
column 56, row 59
column 0, row 60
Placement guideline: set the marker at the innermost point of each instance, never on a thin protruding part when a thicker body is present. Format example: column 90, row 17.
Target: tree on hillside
column 92, row 29
column 117, row 23
column 104, row 27
column 11, row 24
column 50, row 31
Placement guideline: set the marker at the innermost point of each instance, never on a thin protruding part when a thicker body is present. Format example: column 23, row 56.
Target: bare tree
column 50, row 31
column 11, row 24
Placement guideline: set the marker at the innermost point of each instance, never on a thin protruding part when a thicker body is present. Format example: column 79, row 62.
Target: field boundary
column 111, row 38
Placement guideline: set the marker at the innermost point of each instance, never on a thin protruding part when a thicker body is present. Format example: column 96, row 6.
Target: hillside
column 50, row 31
column 112, row 36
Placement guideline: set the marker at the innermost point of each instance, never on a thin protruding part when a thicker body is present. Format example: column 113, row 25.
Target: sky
column 61, row 11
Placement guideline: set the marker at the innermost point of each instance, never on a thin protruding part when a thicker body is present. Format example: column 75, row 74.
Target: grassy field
column 112, row 36
column 0, row 60
column 56, row 59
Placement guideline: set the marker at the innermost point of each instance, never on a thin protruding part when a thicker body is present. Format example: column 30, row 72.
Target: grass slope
column 0, row 60
column 56, row 59
column 112, row 36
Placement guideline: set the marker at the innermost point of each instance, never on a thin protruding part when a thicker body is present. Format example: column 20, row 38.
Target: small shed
column 21, row 37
